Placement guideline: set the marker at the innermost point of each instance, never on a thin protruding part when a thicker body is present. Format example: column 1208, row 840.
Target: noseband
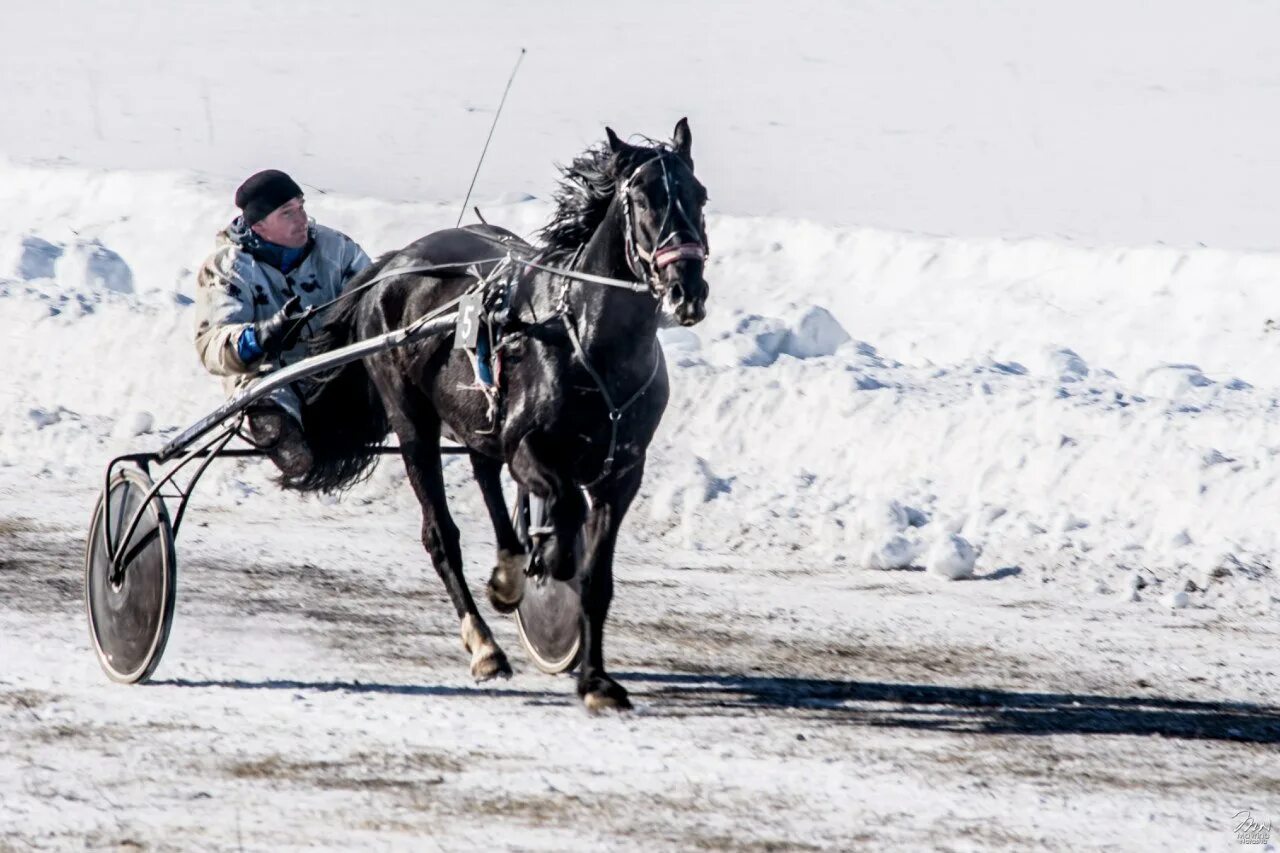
column 646, row 265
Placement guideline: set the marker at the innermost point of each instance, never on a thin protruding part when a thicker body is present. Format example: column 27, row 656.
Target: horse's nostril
column 677, row 293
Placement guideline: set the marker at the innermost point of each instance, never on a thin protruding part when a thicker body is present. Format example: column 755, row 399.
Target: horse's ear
column 683, row 140
column 616, row 145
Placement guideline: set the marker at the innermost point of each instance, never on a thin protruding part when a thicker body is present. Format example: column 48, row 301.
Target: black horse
column 583, row 382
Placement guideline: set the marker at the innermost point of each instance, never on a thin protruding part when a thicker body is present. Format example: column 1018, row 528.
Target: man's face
column 285, row 226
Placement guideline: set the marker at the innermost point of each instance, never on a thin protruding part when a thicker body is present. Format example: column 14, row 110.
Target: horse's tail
column 344, row 419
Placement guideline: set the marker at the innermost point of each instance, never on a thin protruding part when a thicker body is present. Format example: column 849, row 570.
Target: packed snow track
column 314, row 693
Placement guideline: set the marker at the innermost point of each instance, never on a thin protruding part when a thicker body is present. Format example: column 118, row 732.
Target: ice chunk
column 892, row 552
column 37, row 257
column 815, row 334
column 43, row 417
column 951, row 557
column 92, row 266
column 754, row 342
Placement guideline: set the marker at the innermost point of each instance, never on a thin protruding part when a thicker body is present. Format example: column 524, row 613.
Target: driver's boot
column 275, row 431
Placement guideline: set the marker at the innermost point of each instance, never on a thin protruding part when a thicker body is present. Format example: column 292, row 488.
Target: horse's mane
column 583, row 193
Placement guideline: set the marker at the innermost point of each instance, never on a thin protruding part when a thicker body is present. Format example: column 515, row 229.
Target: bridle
column 646, row 265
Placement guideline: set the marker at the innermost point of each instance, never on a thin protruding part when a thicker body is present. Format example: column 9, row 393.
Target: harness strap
column 634, row 287
column 684, row 251
column 615, row 412
column 398, row 271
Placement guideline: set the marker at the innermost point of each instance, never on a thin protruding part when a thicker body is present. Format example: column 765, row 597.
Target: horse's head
column 666, row 235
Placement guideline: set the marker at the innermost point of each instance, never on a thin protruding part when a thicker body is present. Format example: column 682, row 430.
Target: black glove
column 280, row 331
column 494, row 300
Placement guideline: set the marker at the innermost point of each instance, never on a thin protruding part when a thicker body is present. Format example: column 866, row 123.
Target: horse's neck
column 610, row 319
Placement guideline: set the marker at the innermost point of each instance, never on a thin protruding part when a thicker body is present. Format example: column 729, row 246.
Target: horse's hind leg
column 506, row 584
column 420, row 446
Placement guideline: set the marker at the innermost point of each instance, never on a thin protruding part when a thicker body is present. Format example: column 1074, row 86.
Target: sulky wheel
column 130, row 615
column 549, row 622
column 549, row 617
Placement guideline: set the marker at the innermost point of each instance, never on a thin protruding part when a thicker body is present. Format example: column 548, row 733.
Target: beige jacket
column 234, row 290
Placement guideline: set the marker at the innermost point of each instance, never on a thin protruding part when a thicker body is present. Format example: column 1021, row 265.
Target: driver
column 270, row 265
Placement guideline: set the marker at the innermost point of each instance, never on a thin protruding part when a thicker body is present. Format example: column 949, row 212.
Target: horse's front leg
column 421, row 452
column 609, row 504
column 552, row 482
column 506, row 583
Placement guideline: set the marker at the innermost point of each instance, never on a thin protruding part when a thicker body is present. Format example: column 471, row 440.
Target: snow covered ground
column 944, row 343
column 314, row 694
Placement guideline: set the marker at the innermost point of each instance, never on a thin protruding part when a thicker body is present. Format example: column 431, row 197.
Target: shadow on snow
column 911, row 706
column 967, row 709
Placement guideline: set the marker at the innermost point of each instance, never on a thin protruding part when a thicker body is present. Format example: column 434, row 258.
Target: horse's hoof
column 505, row 589
column 606, row 696
column 490, row 666
column 498, row 599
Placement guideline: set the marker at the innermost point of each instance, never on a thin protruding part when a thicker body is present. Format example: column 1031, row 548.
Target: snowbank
column 1081, row 412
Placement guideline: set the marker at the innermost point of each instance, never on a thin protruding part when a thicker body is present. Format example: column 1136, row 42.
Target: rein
column 661, row 257
column 386, row 274
column 589, row 278
column 305, row 317
column 645, row 265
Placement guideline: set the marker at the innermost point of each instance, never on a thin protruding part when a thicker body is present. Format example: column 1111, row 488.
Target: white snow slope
column 1082, row 412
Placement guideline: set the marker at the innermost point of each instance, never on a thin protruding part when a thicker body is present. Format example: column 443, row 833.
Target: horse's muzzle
column 687, row 309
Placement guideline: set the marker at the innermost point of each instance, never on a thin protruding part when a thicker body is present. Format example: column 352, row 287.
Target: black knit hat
column 263, row 193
